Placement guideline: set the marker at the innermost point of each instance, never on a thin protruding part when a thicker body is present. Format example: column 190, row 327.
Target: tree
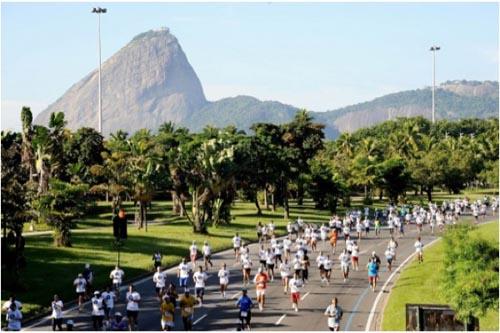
column 393, row 177
column 59, row 206
column 324, row 187
column 470, row 279
column 28, row 155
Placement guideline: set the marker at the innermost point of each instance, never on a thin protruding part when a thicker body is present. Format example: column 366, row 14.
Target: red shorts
column 372, row 279
column 295, row 297
column 354, row 259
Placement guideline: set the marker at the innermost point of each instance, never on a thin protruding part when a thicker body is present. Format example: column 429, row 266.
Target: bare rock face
column 146, row 83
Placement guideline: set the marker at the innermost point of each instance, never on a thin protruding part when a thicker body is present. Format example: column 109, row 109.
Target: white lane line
column 236, row 295
column 280, row 320
column 379, row 296
column 381, row 292
column 199, row 319
column 305, row 295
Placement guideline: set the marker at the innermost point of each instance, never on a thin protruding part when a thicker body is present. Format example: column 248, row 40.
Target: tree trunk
column 259, row 211
column 300, row 192
column 429, row 193
column 366, row 191
column 176, row 205
column 381, row 195
column 266, row 203
column 286, row 208
column 273, row 202
column 198, row 212
column 144, row 212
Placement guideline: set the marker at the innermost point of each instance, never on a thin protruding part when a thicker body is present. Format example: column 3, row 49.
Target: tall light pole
column 99, row 11
column 434, row 48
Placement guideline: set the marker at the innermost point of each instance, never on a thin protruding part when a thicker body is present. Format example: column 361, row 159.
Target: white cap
column 87, row 265
column 118, row 314
column 97, row 292
column 373, row 253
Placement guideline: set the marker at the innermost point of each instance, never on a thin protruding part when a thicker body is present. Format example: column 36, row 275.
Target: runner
column 259, row 231
column 377, row 227
column 193, row 253
column 171, row 293
column 183, row 273
column 167, row 310
column 314, row 241
column 57, row 315
column 333, row 239
column 97, row 311
column 236, row 246
column 334, row 314
column 223, row 280
column 366, row 224
column 390, row 224
column 207, row 253
column 372, row 273
column 285, row 271
column 12, row 299
column 157, row 259
column 246, row 263
column 389, row 256
column 133, row 298
column 270, row 264
column 199, row 279
column 260, row 281
column 327, row 266
column 109, row 299
column 278, row 253
column 419, row 248
column 359, row 229
column 14, row 317
column 187, row 303
column 159, row 279
column 287, row 245
column 245, row 304
column 295, row 285
column 319, row 263
column 88, row 275
column 81, row 285
column 419, row 221
column 393, row 245
column 305, row 268
column 116, row 277
column 344, row 264
column 355, row 256
column 262, row 256
column 118, row 324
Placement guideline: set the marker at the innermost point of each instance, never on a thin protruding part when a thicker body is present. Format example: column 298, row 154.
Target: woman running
column 223, row 280
column 285, row 271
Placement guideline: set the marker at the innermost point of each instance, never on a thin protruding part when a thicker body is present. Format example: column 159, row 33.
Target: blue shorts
column 183, row 282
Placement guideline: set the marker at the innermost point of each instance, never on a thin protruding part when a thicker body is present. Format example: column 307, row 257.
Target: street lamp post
column 434, row 48
column 99, row 11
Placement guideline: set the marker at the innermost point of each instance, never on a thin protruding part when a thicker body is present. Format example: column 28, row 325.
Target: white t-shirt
column 81, row 285
column 344, row 259
column 327, row 264
column 133, row 299
column 319, row 260
column 355, row 250
column 207, row 250
column 117, row 275
column 236, row 241
column 333, row 314
column 193, row 250
column 57, row 309
column 285, row 269
column 287, row 243
column 419, row 246
column 270, row 258
column 199, row 279
column 109, row 299
column 183, row 270
column 223, row 276
column 159, row 279
column 297, row 263
column 295, row 285
column 247, row 263
column 97, row 306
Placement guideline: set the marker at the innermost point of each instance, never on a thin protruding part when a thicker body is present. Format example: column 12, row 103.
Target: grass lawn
column 418, row 283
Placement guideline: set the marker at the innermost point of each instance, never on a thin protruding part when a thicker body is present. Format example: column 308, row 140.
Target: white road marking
column 305, row 295
column 236, row 295
column 199, row 319
column 280, row 320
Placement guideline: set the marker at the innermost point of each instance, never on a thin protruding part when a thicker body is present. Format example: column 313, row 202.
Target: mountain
column 147, row 82
column 150, row 81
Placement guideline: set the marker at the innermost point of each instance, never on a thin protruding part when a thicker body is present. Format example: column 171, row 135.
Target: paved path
column 355, row 296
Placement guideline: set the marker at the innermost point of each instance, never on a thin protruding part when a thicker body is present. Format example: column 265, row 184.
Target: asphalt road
column 355, row 297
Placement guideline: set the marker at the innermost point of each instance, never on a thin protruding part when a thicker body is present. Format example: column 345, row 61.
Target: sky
column 317, row 56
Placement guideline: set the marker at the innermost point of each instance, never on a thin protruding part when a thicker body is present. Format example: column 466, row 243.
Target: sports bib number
column 244, row 314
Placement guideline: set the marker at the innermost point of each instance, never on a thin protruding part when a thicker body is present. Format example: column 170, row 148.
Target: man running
column 355, row 256
column 167, row 310
column 285, row 271
column 116, row 277
column 133, row 298
column 344, row 263
column 236, row 246
column 199, row 279
column 57, row 316
column 207, row 253
column 157, row 259
column 270, row 263
column 389, row 256
column 223, row 280
column 159, row 281
column 187, row 303
column 334, row 313
column 419, row 248
column 109, row 299
column 295, row 285
column 333, row 239
column 260, row 280
column 14, row 317
column 372, row 274
column 97, row 311
column 81, row 286
column 183, row 273
column 327, row 267
column 245, row 304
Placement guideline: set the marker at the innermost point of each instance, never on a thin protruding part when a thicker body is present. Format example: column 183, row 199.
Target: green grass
column 419, row 283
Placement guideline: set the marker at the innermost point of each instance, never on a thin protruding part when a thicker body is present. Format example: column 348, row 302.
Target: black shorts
column 80, row 294
column 236, row 249
column 132, row 314
column 199, row 292
column 367, row 229
column 247, row 270
column 158, row 290
column 207, row 257
column 263, row 263
column 247, row 318
column 270, row 266
column 278, row 257
column 328, row 270
column 321, row 267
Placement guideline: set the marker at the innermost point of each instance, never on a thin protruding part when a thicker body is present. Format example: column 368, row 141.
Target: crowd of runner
column 291, row 256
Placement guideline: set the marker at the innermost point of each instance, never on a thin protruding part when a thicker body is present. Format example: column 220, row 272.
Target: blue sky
column 318, row 56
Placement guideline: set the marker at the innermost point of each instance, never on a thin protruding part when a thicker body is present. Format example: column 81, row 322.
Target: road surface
column 355, row 296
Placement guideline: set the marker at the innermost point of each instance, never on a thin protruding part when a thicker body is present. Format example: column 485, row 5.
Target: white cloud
column 11, row 112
